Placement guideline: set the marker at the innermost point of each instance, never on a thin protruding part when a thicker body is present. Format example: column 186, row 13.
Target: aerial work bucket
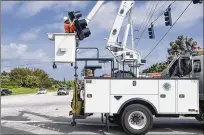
column 65, row 46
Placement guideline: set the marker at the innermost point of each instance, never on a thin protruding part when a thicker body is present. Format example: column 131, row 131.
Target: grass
column 53, row 90
column 19, row 91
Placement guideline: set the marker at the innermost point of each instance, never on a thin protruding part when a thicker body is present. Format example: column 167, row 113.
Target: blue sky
column 25, row 26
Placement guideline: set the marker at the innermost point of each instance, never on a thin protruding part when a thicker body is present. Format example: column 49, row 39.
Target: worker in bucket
column 69, row 27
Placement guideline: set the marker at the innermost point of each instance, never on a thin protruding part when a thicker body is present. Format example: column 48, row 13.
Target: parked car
column 62, row 91
column 6, row 92
column 42, row 91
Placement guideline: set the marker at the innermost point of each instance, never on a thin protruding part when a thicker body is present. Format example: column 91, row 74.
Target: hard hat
column 65, row 18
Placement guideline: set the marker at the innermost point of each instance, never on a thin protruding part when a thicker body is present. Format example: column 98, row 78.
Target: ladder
column 166, row 71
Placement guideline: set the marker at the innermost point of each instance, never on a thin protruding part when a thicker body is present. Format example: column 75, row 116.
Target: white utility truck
column 124, row 98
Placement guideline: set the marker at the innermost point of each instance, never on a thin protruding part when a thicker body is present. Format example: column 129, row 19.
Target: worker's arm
column 72, row 23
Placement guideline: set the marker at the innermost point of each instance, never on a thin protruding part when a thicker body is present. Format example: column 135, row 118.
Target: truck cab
column 189, row 67
column 197, row 71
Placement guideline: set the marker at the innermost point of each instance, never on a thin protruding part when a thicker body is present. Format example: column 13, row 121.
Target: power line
column 162, row 6
column 167, row 31
column 147, row 24
column 148, row 16
column 162, row 13
column 145, row 16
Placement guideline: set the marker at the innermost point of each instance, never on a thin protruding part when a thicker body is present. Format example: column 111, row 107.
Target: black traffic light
column 82, row 31
column 167, row 15
column 151, row 32
column 197, row 1
column 54, row 66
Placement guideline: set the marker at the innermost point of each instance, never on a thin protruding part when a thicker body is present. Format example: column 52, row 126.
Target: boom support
column 124, row 9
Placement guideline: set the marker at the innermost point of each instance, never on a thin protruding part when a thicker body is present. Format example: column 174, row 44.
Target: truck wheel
column 136, row 119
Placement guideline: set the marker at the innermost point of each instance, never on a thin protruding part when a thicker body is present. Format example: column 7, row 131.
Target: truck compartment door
column 97, row 95
column 167, row 96
column 188, row 96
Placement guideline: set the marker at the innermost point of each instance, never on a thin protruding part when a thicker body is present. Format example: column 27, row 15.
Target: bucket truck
column 128, row 100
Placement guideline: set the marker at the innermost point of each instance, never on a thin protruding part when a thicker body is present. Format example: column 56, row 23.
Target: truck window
column 186, row 66
column 196, row 66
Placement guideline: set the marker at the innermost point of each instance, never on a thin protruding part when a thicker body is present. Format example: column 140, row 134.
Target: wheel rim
column 137, row 120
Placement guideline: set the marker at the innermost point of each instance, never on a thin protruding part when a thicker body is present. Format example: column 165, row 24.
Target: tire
column 146, row 122
column 200, row 116
column 117, row 119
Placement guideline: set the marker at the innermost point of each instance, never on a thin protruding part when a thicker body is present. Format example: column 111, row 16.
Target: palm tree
column 181, row 45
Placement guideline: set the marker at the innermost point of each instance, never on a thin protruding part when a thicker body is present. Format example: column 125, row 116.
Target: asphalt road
column 49, row 114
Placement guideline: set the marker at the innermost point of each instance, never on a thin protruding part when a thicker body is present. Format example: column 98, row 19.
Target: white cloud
column 32, row 34
column 28, row 36
column 8, row 6
column 32, row 8
column 56, row 25
column 105, row 17
column 21, row 51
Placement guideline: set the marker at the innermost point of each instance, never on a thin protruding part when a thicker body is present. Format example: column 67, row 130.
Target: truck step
column 82, row 116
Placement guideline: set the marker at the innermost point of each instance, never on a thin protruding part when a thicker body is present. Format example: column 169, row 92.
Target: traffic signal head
column 167, row 17
column 54, row 66
column 197, row 1
column 82, row 31
column 151, row 32
column 74, row 15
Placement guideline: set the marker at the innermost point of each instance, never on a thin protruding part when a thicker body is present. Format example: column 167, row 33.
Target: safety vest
column 69, row 29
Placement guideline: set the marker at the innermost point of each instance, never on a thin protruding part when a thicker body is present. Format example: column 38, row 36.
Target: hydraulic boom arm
column 123, row 10
column 94, row 11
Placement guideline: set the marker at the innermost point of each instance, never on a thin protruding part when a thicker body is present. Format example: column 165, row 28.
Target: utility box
column 65, row 46
column 128, row 56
